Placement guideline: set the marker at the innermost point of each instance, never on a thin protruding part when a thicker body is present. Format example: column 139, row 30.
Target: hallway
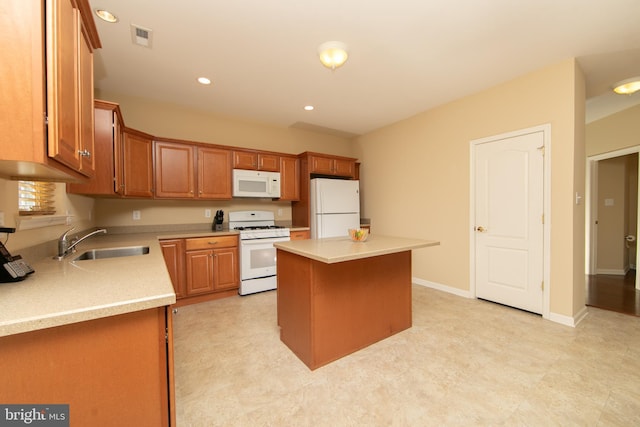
column 615, row 293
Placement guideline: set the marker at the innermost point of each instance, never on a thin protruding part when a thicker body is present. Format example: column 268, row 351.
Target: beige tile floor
column 464, row 362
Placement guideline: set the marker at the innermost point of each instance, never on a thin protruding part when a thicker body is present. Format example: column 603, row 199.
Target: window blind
column 36, row 198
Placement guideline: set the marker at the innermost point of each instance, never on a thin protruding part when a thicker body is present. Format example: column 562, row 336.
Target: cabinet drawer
column 300, row 235
column 212, row 242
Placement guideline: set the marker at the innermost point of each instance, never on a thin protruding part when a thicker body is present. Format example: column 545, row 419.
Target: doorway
column 509, row 235
column 612, row 214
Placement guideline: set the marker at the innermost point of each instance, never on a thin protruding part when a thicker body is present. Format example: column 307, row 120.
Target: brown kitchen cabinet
column 111, row 371
column 332, row 165
column 173, row 253
column 300, row 235
column 174, row 170
column 137, row 164
column 107, row 152
column 191, row 171
column 214, row 173
column 212, row 264
column 289, row 178
column 256, row 161
column 47, row 50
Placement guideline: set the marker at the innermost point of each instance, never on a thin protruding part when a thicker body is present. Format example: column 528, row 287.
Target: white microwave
column 248, row 183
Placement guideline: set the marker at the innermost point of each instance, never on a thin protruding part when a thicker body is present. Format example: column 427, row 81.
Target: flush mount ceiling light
column 333, row 54
column 308, row 107
column 628, row 86
column 204, row 81
column 106, row 16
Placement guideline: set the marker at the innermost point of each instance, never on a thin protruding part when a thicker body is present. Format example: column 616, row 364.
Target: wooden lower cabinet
column 111, row 371
column 173, row 253
column 203, row 268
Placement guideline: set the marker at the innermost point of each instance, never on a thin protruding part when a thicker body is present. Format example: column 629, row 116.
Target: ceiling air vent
column 141, row 36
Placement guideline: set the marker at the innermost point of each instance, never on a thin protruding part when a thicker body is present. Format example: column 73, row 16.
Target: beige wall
column 615, row 132
column 415, row 176
column 173, row 121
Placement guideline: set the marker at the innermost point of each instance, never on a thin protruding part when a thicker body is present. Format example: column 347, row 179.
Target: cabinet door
column 245, row 160
column 62, row 84
column 225, row 267
column 289, row 178
column 173, row 253
column 321, row 165
column 137, row 165
column 105, row 134
column 199, row 267
column 269, row 162
column 175, row 177
column 344, row 167
column 85, row 85
column 214, row 173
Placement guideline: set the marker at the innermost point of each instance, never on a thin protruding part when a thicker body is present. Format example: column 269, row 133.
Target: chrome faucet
column 65, row 247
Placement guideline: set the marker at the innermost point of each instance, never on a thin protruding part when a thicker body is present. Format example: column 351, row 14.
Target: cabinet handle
column 84, row 153
column 213, row 243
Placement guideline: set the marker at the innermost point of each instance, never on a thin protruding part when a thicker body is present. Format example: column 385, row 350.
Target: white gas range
column 258, row 233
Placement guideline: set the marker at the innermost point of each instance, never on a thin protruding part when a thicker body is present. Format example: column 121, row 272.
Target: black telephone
column 14, row 268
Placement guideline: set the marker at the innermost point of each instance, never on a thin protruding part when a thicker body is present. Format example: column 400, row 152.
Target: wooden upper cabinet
column 214, row 173
column 289, row 178
column 69, row 87
column 87, row 125
column 256, row 161
column 328, row 165
column 137, row 164
column 107, row 152
column 174, row 170
column 45, row 111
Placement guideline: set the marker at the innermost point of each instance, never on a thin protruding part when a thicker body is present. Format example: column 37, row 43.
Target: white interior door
column 509, row 232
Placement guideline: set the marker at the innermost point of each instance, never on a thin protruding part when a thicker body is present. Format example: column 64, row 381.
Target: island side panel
column 294, row 303
column 357, row 303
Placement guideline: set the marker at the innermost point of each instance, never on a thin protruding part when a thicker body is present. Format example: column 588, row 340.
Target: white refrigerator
column 335, row 207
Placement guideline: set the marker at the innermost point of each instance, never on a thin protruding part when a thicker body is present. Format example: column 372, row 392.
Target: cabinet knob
column 84, row 153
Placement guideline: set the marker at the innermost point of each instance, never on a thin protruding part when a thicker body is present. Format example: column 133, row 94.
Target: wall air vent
column 141, row 36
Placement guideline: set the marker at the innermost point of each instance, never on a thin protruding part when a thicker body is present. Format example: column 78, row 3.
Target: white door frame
column 546, row 130
column 591, row 233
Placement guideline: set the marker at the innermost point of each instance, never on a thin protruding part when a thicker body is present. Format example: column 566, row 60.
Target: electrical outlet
column 136, row 215
column 279, row 212
column 207, row 213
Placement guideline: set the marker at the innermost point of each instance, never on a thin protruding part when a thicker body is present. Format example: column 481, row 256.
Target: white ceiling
column 406, row 56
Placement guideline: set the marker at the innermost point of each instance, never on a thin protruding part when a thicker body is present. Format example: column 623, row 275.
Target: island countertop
column 340, row 249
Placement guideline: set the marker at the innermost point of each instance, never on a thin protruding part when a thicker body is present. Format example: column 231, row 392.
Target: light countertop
column 64, row 292
column 339, row 249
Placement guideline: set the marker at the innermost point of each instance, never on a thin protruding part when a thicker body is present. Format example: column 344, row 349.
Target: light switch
column 608, row 202
column 207, row 213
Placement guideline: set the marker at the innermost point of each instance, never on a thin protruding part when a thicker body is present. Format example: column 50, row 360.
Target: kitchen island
column 336, row 296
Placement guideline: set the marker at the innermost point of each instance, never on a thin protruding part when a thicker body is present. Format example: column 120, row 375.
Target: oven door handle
column 256, row 242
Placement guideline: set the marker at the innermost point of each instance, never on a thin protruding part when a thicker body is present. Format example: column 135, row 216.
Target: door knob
column 481, row 229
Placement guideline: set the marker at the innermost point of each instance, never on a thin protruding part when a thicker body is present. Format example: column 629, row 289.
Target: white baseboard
column 553, row 317
column 443, row 288
column 612, row 271
column 568, row 320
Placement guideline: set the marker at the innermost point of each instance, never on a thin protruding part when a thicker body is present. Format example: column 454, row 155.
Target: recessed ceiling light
column 308, row 107
column 107, row 16
column 204, row 81
column 628, row 86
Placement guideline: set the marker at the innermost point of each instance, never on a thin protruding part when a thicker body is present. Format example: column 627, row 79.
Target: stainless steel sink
column 112, row 253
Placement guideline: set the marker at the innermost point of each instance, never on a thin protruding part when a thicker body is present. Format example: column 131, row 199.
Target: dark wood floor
column 615, row 293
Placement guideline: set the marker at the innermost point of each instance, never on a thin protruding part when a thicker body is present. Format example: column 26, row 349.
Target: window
column 36, row 198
